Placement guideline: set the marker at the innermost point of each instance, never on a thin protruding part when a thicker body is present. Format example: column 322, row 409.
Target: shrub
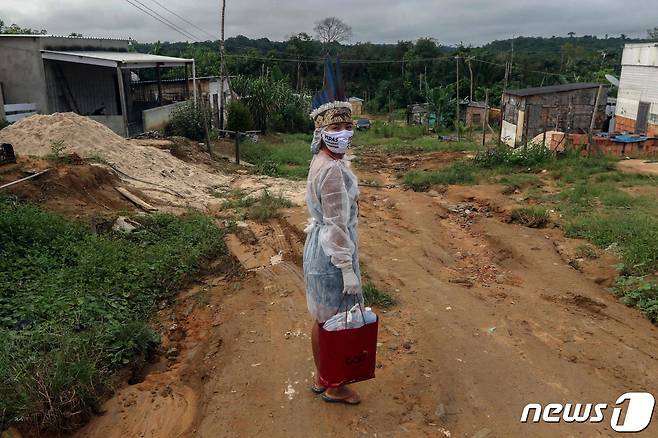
column 239, row 117
column 187, row 121
column 4, row 123
column 292, row 117
column 272, row 102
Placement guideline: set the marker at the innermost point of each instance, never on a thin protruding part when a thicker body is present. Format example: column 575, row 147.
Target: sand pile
column 163, row 177
column 152, row 170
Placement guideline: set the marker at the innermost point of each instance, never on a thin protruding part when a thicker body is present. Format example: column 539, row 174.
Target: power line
column 167, row 20
column 183, row 19
column 504, row 65
column 162, row 20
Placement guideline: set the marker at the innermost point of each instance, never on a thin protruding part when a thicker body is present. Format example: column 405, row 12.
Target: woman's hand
column 351, row 284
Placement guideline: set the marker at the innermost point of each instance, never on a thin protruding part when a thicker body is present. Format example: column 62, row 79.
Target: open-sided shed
column 89, row 76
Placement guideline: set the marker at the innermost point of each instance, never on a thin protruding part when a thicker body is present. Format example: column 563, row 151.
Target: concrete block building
column 637, row 101
column 89, row 76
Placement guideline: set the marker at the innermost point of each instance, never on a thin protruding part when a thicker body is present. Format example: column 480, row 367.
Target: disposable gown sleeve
column 334, row 236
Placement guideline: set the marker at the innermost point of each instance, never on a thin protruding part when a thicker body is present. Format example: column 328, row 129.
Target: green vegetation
column 58, row 153
column 589, row 200
column 187, row 121
column 385, row 86
column 239, row 117
column 458, row 173
column 402, row 139
column 533, row 217
column 273, row 104
column 279, row 155
column 639, row 292
column 259, row 208
column 74, row 304
column 374, row 296
column 4, row 123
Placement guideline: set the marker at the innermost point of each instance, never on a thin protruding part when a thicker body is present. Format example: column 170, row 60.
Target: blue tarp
column 626, row 138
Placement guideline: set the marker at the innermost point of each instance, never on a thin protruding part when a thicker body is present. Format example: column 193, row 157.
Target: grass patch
column 533, row 217
column 636, row 236
column 503, row 156
column 371, row 183
column 374, row 296
column 74, row 305
column 520, row 181
column 282, row 155
column 459, row 173
column 260, row 208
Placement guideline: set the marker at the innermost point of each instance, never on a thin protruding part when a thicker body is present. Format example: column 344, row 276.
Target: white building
column 637, row 101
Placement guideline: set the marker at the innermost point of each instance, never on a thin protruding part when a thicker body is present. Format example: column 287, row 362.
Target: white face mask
column 338, row 142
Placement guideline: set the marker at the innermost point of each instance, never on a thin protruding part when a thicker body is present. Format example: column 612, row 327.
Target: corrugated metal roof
column 11, row 35
column 104, row 58
column 552, row 89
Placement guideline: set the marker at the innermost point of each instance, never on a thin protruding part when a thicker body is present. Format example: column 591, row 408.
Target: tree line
column 395, row 75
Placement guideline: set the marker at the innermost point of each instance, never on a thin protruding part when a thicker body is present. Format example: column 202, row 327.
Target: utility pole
column 470, row 69
column 222, row 69
column 425, row 78
column 485, row 121
column 457, row 88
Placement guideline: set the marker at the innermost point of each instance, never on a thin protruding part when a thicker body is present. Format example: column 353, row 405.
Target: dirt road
column 491, row 316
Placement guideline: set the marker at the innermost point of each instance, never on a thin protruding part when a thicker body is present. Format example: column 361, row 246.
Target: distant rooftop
column 552, row 89
column 11, row 35
column 115, row 59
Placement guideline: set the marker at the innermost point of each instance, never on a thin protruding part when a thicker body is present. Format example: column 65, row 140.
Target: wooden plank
column 20, row 107
column 11, row 118
column 23, row 179
column 135, row 200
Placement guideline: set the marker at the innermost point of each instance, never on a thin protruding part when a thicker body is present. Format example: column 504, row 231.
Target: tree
column 571, row 34
column 265, row 97
column 653, row 33
column 15, row 29
column 332, row 30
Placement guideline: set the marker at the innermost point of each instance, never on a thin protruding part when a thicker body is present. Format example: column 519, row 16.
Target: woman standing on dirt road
column 331, row 257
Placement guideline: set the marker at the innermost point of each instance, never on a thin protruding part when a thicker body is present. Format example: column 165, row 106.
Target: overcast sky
column 449, row 21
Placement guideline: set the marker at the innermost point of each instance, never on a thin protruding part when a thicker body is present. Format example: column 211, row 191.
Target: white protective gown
column 331, row 242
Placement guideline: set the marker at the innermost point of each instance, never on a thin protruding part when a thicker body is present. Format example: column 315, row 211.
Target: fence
column 16, row 111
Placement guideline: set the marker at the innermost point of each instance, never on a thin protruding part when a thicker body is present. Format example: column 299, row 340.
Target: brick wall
column 623, row 124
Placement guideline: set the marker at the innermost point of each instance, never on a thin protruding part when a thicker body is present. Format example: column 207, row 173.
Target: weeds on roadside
column 259, row 208
column 533, row 217
column 522, row 157
column 458, row 173
column 375, row 296
column 74, row 304
column 638, row 292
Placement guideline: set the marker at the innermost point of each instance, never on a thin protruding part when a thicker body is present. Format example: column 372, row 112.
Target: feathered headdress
column 330, row 105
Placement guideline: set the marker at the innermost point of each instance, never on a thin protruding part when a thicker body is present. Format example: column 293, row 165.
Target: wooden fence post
column 215, row 111
column 593, row 121
column 237, row 147
column 204, row 112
